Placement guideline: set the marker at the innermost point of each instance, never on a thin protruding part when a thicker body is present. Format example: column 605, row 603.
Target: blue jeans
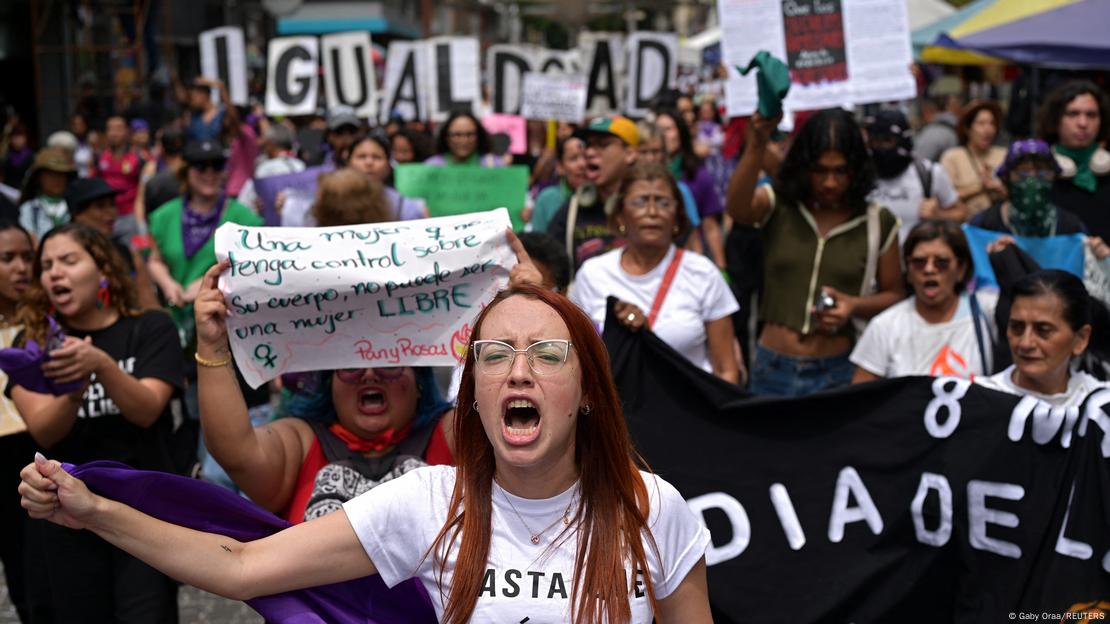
column 776, row 374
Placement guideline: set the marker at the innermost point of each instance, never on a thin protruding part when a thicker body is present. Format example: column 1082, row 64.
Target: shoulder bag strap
column 661, row 294
column 977, row 320
column 871, row 269
column 572, row 220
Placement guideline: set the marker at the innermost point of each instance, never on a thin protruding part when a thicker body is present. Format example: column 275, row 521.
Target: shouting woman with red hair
column 545, row 518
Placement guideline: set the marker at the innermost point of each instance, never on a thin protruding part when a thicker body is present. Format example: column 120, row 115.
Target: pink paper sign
column 512, row 125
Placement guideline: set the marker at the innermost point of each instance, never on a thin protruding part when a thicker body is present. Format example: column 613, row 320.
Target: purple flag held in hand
column 207, row 507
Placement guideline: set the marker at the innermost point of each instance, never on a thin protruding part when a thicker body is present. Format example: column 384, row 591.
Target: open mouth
column 521, row 422
column 930, row 288
column 372, row 401
column 593, row 169
column 60, row 294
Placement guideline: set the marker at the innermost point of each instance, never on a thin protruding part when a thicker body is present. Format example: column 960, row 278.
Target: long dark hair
column 442, row 146
column 832, row 129
column 691, row 162
column 612, row 516
column 35, row 305
column 420, row 142
column 1052, row 110
column 312, row 399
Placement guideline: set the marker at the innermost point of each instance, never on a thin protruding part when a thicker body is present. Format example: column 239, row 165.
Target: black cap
column 204, row 151
column 84, row 191
column 889, row 122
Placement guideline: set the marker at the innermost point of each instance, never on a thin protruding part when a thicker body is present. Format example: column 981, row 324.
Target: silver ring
column 631, row 317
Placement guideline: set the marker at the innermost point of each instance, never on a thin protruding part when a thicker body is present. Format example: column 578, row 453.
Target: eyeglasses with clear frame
column 546, row 357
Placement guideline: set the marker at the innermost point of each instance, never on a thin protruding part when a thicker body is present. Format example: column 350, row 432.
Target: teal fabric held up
column 772, row 81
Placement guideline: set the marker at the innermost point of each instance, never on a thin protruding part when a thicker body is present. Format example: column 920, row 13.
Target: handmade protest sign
column 304, row 182
column 926, row 496
column 512, row 126
column 554, row 96
column 603, row 62
column 384, row 294
column 652, row 69
column 454, row 75
column 463, row 190
column 840, row 52
column 223, row 56
column 507, row 65
column 349, row 73
column 405, row 91
column 291, row 76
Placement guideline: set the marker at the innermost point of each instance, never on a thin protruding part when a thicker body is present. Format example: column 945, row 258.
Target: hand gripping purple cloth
column 206, row 507
column 24, row 366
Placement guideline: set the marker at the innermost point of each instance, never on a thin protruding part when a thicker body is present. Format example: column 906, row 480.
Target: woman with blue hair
column 349, row 430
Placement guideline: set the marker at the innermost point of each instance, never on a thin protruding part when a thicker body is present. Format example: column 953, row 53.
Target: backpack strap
column 925, row 174
column 871, row 269
column 572, row 220
column 977, row 319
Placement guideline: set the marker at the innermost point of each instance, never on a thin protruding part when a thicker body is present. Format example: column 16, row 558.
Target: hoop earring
column 621, row 229
column 586, row 409
column 475, row 406
column 103, row 295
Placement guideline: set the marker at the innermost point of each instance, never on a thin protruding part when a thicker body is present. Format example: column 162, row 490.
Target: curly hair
column 35, row 305
column 1056, row 102
column 442, row 146
column 835, row 130
column 971, row 111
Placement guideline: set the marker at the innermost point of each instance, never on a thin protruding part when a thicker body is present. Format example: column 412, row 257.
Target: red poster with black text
column 814, row 40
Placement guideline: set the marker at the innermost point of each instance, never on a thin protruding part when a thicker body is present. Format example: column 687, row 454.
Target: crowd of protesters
column 862, row 270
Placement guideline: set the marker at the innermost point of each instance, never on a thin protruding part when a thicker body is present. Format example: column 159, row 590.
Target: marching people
column 971, row 166
column 103, row 394
column 570, row 165
column 831, row 257
column 42, row 204
column 682, row 297
column 546, row 473
column 370, row 155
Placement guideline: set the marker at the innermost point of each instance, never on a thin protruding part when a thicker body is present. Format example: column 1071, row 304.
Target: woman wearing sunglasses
column 680, row 296
column 546, row 518
column 940, row 329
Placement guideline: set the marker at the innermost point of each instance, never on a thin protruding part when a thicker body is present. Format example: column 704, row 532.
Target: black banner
column 907, row 500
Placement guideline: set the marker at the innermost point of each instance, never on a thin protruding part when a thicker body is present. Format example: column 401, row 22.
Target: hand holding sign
column 382, row 294
column 211, row 315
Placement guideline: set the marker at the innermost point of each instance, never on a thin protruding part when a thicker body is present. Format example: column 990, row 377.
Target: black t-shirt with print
column 144, row 346
column 592, row 236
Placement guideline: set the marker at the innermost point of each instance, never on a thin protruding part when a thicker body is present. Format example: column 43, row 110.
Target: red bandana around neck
column 378, row 443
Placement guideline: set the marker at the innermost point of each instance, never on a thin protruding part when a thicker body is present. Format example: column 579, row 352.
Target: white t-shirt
column 903, row 194
column 397, row 522
column 1080, row 386
column 697, row 296
column 898, row 342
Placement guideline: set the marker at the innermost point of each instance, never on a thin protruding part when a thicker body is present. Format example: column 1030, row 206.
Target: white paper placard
column 406, row 84
column 349, row 73
column 454, row 76
column 223, row 55
column 652, row 69
column 554, row 96
column 291, row 84
column 383, row 294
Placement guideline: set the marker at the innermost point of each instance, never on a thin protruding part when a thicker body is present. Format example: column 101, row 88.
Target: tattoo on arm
column 225, row 547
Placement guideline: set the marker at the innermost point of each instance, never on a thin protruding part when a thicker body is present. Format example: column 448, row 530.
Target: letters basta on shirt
column 397, row 522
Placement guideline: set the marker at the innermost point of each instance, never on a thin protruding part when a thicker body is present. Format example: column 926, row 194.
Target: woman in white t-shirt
column 1050, row 326
column 680, row 296
column 939, row 330
column 559, row 524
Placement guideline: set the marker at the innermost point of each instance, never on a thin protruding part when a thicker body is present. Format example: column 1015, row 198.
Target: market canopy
column 1073, row 35
column 945, row 47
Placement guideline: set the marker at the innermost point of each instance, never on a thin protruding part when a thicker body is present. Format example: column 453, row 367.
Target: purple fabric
column 268, row 187
column 24, row 366
column 207, row 507
column 197, row 228
column 703, row 188
column 1072, row 35
column 1020, row 149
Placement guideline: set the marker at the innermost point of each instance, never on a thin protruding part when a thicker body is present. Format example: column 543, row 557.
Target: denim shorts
column 775, row 374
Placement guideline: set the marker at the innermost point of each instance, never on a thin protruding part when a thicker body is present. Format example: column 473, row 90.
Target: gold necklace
column 535, row 537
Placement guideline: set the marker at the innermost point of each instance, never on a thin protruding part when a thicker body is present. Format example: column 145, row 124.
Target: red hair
column 612, row 516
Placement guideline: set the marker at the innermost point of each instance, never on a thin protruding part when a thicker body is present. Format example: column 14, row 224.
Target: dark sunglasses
column 210, row 165
column 355, row 375
column 941, row 263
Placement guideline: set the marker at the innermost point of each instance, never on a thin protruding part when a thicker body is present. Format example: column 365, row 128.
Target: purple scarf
column 197, row 228
column 24, row 365
column 207, row 507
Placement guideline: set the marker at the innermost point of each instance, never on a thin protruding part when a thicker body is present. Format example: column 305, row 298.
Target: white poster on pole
column 652, row 69
column 454, row 76
column 840, row 52
column 603, row 65
column 291, row 83
column 554, row 96
column 223, row 56
column 405, row 90
column 349, row 73
column 506, row 66
column 384, row 294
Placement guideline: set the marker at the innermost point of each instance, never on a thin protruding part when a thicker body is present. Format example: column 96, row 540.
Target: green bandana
column 1084, row 177
column 676, row 167
column 1031, row 214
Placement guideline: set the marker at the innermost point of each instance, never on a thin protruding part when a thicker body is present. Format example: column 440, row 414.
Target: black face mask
column 890, row 161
